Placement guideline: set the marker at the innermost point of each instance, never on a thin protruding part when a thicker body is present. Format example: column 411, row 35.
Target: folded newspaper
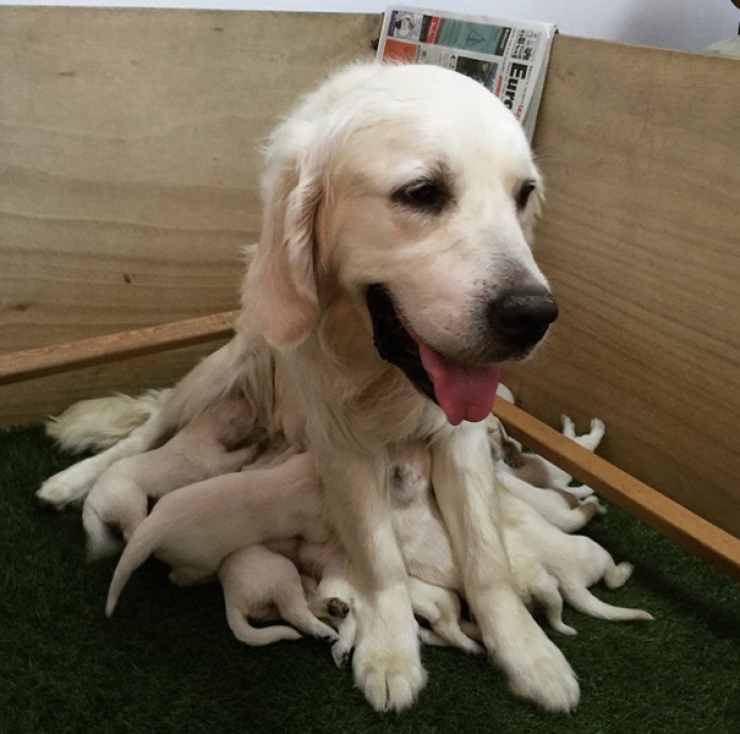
column 509, row 57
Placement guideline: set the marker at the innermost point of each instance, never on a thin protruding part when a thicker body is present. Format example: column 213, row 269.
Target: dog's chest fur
column 347, row 388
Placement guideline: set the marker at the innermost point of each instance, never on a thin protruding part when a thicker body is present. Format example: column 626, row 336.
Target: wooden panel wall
column 128, row 183
column 129, row 170
column 641, row 241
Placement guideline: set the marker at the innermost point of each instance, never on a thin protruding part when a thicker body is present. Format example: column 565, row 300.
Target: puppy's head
column 412, row 190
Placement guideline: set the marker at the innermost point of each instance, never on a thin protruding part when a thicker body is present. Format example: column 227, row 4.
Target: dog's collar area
column 393, row 342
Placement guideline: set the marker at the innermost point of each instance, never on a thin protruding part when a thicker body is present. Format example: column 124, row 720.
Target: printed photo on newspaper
column 509, row 57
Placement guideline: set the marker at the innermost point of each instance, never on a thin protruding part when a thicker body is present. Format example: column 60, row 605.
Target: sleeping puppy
column 118, row 501
column 545, row 560
column 558, row 506
column 542, row 473
column 194, row 528
column 392, row 277
column 258, row 578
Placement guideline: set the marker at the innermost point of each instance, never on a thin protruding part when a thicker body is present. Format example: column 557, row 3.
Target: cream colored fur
column 204, row 448
column 196, row 527
column 304, row 350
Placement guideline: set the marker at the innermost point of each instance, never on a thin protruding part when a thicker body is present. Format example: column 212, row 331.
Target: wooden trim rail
column 57, row 358
column 701, row 537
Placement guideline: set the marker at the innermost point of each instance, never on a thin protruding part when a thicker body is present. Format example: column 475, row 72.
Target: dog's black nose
column 523, row 315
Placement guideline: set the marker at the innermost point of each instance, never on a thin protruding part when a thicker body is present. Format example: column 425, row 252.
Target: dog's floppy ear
column 280, row 287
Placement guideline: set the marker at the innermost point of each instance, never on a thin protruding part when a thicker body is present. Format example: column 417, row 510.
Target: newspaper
column 509, row 57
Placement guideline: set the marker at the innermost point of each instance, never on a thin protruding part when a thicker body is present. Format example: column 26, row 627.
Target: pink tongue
column 464, row 393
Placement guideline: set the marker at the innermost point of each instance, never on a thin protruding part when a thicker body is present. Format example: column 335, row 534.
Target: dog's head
column 412, row 190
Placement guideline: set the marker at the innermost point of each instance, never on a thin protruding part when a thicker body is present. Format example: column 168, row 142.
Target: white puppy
column 545, row 560
column 539, row 472
column 118, row 501
column 557, row 506
column 256, row 579
column 194, row 528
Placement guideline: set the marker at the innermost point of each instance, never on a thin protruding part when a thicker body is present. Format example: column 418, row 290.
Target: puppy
column 537, row 549
column 542, row 473
column 194, row 528
column 118, row 501
column 557, row 506
column 256, row 579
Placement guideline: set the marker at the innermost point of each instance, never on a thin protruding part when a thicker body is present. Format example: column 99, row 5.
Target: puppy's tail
column 581, row 599
column 139, row 548
column 257, row 636
column 102, row 541
column 94, row 425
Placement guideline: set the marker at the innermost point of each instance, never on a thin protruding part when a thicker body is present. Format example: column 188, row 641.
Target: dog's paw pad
column 337, row 607
column 340, row 654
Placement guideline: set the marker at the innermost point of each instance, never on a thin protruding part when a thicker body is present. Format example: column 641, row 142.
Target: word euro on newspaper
column 509, row 57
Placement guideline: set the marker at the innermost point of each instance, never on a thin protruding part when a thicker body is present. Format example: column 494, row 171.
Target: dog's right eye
column 427, row 195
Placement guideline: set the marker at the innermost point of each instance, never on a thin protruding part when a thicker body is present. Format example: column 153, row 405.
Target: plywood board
column 128, row 184
column 641, row 240
column 129, row 163
column 129, row 169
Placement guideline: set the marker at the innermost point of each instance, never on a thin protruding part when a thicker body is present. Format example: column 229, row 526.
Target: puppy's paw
column 330, row 637
column 618, row 575
column 336, row 607
column 569, row 428
column 599, row 509
column 65, row 488
column 388, row 670
column 592, row 439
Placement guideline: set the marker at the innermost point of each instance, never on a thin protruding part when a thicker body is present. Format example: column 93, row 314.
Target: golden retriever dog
column 392, row 277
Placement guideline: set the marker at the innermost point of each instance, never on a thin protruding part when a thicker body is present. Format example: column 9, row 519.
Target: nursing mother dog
column 392, row 277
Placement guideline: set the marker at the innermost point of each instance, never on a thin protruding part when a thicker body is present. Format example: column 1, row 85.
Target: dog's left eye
column 522, row 196
column 425, row 195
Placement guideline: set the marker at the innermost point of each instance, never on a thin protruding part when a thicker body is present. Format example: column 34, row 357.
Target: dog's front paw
column 390, row 676
column 539, row 672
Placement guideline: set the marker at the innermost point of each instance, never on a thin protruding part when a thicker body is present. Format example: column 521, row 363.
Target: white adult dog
column 392, row 276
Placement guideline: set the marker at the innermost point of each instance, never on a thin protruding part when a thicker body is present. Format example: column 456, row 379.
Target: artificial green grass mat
column 167, row 662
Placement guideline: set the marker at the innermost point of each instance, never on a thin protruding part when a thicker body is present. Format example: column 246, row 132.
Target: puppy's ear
column 280, row 291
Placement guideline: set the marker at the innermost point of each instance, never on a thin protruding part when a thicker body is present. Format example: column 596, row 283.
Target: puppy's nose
column 523, row 314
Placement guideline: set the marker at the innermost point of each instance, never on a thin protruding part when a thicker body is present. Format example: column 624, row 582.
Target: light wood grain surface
column 641, row 241
column 128, row 184
column 129, row 166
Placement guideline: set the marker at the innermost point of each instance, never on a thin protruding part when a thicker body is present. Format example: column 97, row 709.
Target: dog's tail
column 94, row 425
column 142, row 544
column 102, row 541
column 257, row 636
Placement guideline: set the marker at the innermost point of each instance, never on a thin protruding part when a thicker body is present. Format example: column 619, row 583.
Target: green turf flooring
column 166, row 662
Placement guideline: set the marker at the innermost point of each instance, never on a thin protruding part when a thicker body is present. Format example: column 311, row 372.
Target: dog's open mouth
column 464, row 392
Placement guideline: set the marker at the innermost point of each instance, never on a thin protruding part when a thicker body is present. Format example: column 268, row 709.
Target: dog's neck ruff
column 464, row 392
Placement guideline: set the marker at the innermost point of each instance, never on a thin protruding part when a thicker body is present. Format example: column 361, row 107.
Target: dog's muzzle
column 463, row 387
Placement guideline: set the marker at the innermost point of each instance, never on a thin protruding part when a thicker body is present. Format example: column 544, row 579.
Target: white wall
column 683, row 24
